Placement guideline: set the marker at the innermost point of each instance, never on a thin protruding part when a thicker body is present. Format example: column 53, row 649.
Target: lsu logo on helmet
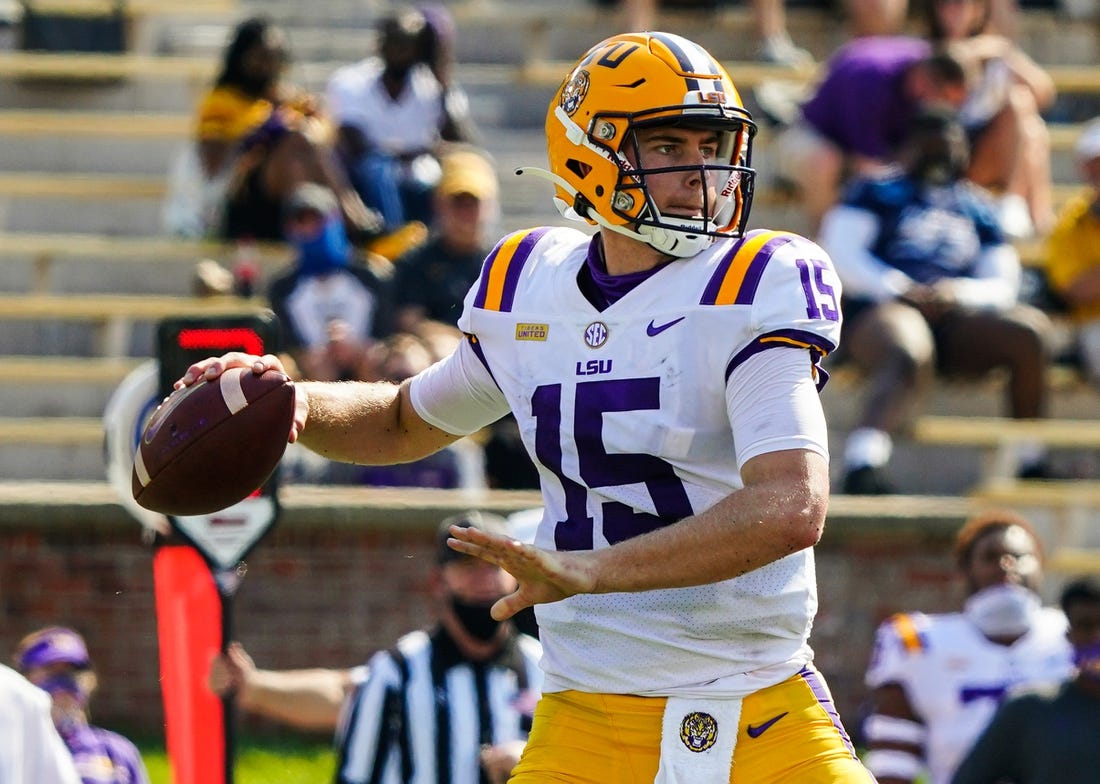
column 574, row 92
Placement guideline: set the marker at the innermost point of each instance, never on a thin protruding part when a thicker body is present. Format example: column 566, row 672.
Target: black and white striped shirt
column 424, row 711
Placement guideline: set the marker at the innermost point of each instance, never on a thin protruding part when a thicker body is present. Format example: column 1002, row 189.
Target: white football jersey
column 626, row 412
column 955, row 677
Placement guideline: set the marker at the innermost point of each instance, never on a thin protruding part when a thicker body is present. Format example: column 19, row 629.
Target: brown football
column 212, row 444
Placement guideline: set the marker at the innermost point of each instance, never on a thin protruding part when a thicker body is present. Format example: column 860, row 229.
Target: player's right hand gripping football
column 212, row 367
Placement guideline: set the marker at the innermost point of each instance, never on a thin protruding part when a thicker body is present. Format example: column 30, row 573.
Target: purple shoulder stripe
column 818, row 347
column 738, row 274
column 475, row 344
column 502, row 269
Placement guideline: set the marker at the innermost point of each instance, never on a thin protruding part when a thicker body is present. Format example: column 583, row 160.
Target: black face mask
column 475, row 619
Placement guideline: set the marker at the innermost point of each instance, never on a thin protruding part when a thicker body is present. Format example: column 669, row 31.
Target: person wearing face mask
column 1049, row 735
column 931, row 287
column 332, row 308
column 56, row 660
column 449, row 703
column 937, row 679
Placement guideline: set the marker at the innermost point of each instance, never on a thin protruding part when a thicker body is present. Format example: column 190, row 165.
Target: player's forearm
column 307, row 699
column 769, row 519
column 367, row 423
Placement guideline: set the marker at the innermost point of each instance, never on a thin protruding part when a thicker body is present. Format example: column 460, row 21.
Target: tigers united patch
column 532, row 331
column 698, row 731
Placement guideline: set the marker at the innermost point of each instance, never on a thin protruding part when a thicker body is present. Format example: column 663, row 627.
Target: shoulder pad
column 739, row 271
column 496, row 288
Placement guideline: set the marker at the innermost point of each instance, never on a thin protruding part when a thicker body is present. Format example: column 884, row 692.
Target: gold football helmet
column 634, row 81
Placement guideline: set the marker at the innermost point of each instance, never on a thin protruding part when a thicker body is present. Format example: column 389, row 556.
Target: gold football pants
column 787, row 733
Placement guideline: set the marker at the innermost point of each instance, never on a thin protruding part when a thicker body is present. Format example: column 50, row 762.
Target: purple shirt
column 861, row 104
column 104, row 757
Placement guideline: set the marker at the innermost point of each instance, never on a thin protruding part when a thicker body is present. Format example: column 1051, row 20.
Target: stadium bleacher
column 81, row 181
column 85, row 270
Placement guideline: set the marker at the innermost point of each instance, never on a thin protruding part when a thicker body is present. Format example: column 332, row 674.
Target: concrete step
column 36, row 386
column 928, row 468
column 115, row 217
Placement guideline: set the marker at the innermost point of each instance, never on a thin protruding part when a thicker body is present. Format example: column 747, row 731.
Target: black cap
column 484, row 521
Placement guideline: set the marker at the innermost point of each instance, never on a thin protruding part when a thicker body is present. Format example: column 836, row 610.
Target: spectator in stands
column 769, row 18
column 332, row 307
column 461, row 465
column 431, row 281
column 458, row 465
column 1073, row 252
column 1049, row 735
column 929, row 284
column 1009, row 140
column 453, row 702
column 875, row 17
column 394, row 112
column 56, row 660
column 31, row 751
column 261, row 138
column 859, row 112
column 936, row 679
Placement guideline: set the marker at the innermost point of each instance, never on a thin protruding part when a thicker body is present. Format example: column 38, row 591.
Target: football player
column 664, row 375
column 938, row 679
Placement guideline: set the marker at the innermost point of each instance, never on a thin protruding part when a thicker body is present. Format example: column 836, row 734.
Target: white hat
column 1088, row 143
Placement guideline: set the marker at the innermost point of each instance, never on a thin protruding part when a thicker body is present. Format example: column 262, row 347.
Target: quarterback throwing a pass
column 664, row 374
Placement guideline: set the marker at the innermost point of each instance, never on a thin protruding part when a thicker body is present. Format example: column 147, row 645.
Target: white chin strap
column 679, row 242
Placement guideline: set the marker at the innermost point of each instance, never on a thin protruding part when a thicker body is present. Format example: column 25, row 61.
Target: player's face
column 679, row 193
column 1004, row 555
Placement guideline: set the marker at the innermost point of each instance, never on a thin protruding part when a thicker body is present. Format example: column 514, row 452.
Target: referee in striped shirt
column 451, row 705
column 448, row 705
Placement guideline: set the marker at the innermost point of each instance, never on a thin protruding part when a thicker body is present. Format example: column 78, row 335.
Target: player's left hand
column 544, row 576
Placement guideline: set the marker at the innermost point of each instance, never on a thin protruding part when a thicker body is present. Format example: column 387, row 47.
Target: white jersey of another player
column 955, row 677
column 631, row 414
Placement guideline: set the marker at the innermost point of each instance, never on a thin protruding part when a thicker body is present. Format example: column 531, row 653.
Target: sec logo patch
column 595, row 334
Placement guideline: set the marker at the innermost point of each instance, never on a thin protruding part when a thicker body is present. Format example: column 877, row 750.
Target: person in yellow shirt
column 262, row 137
column 1073, row 252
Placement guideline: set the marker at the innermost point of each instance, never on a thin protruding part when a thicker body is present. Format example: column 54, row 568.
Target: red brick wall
column 329, row 595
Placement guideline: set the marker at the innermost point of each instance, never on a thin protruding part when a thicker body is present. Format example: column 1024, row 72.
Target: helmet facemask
column 727, row 188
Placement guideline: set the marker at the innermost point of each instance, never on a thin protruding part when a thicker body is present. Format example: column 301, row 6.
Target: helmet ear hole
column 579, row 168
column 581, row 205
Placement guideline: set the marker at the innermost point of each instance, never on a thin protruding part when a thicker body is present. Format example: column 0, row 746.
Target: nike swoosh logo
column 759, row 729
column 654, row 329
